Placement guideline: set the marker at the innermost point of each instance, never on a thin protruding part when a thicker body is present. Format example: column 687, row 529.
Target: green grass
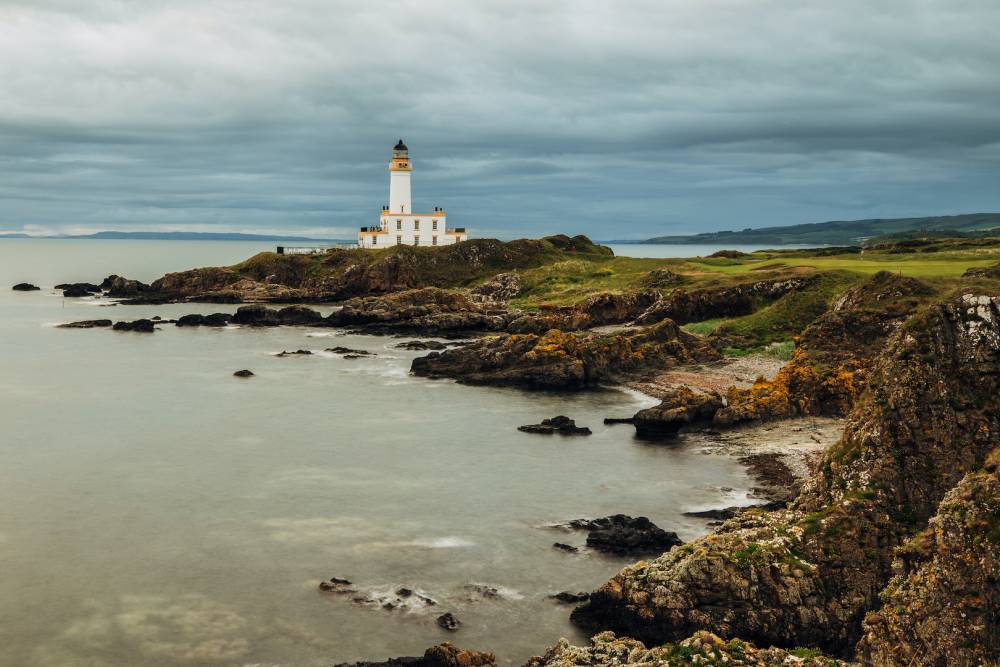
column 789, row 315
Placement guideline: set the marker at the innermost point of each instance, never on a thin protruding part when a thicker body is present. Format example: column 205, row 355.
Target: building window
column 434, row 225
column 434, row 240
column 416, row 225
column 399, row 240
column 416, row 240
column 399, row 225
column 374, row 239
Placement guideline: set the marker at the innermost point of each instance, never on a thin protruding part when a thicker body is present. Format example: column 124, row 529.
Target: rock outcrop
column 807, row 575
column 833, row 355
column 86, row 324
column 561, row 425
column 499, row 289
column 942, row 606
column 261, row 316
column 560, row 360
column 141, row 325
column 120, row 288
column 213, row 320
column 683, row 306
column 702, row 648
column 626, row 536
column 427, row 311
column 594, row 311
column 79, row 289
column 680, row 407
column 25, row 287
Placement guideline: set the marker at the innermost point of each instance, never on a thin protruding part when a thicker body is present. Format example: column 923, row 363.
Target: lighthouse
column 398, row 223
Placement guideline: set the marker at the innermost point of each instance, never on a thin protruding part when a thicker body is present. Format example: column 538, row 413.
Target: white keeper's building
column 398, row 224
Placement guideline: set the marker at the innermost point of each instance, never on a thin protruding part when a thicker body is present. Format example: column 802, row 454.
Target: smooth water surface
column 155, row 510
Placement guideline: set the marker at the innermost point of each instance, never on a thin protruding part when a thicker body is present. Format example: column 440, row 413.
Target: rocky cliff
column 942, row 606
column 807, row 575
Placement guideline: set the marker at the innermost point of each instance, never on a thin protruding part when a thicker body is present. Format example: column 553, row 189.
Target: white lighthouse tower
column 398, row 224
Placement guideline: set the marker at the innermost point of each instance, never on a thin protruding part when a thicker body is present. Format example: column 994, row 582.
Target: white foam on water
column 448, row 542
column 324, row 334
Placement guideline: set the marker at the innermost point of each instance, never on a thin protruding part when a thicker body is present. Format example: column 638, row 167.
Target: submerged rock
column 86, row 324
column 349, row 353
column 245, row 373
column 286, row 353
column 566, row 597
column 25, row 287
column 569, row 548
column 421, row 345
column 561, row 425
column 140, row 325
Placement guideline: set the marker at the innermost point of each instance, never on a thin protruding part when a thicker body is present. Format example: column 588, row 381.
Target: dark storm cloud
column 620, row 120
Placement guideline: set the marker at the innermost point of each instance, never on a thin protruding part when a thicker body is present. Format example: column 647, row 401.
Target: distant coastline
column 836, row 232
column 176, row 236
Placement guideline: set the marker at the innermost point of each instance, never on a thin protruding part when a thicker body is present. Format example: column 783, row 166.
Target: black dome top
column 400, row 146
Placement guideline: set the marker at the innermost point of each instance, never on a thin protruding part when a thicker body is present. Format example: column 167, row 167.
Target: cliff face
column 807, row 575
column 565, row 360
column 943, row 604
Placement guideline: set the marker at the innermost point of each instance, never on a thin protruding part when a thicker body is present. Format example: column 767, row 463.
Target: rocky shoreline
column 876, row 447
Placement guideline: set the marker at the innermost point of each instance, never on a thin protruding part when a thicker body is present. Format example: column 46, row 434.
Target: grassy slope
column 841, row 231
column 566, row 282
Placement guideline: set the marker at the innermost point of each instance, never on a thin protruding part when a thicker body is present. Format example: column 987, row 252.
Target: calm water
column 155, row 510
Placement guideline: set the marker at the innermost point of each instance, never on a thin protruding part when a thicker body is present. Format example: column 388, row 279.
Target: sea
column 157, row 510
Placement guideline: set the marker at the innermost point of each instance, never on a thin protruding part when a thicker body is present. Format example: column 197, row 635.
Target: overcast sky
column 618, row 119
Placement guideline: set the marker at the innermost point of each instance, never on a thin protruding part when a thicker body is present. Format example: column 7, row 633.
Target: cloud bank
column 620, row 120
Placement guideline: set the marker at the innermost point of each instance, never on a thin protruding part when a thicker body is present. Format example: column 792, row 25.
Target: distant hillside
column 176, row 236
column 841, row 232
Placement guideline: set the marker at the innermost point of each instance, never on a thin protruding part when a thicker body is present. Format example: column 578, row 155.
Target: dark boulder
column 86, row 324
column 141, row 326
column 245, row 373
column 25, row 287
column 121, row 288
column 569, row 548
column 286, row 353
column 561, row 425
column 622, row 535
column 78, row 289
column 335, row 584
column 448, row 621
column 196, row 320
column 566, row 597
